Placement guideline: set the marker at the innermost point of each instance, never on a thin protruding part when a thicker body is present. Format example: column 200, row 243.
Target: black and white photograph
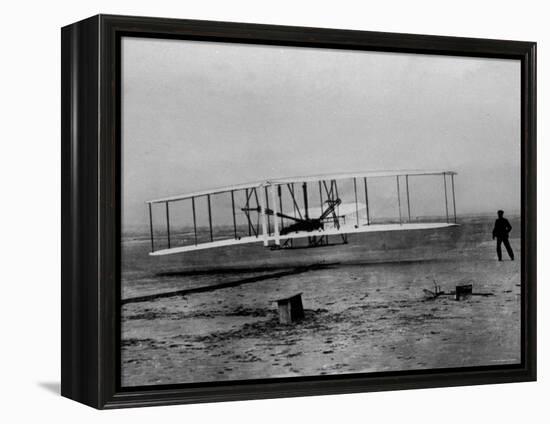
column 299, row 212
column 302, row 211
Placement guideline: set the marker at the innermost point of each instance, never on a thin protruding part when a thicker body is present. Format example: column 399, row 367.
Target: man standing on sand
column 501, row 231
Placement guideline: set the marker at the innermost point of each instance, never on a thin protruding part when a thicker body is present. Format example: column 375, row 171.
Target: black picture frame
column 90, row 139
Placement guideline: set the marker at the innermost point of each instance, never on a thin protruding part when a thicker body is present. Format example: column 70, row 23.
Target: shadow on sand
column 253, row 270
column 235, row 283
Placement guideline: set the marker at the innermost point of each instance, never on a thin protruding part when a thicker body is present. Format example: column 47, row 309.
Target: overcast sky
column 199, row 115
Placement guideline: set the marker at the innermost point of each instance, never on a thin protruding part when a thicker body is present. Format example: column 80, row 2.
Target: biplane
column 292, row 216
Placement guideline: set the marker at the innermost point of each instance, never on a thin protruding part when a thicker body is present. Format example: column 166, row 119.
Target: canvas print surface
column 291, row 212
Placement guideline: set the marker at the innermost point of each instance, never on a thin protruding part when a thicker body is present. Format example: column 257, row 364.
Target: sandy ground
column 358, row 318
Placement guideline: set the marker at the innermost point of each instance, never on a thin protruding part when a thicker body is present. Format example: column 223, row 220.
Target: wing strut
column 267, row 207
column 233, row 210
column 194, row 219
column 275, row 221
column 248, row 206
column 306, row 211
column 151, row 227
column 279, row 193
column 408, row 199
column 168, row 224
column 356, row 203
column 399, row 200
column 367, row 199
column 210, row 218
column 454, row 200
column 264, row 218
column 446, row 205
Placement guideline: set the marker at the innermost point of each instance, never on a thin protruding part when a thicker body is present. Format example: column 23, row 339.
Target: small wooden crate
column 463, row 292
column 290, row 309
